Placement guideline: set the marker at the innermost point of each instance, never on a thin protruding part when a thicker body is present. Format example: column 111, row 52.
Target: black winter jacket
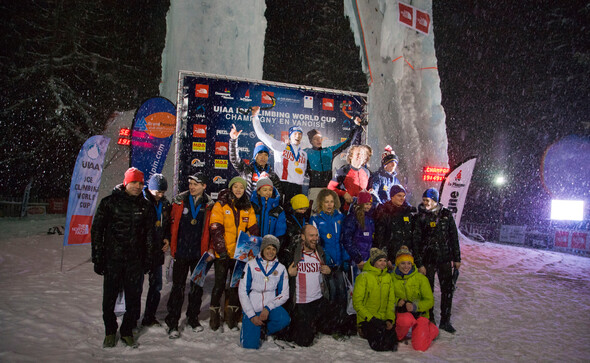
column 436, row 239
column 162, row 229
column 122, row 230
column 394, row 228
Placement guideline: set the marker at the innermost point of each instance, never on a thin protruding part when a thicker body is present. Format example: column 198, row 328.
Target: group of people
column 353, row 228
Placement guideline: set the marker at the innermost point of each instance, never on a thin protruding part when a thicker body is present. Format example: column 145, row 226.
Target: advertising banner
column 455, row 187
column 208, row 106
column 153, row 128
column 414, row 18
column 84, row 190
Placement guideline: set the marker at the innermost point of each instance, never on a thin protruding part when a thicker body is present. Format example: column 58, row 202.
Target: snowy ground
column 512, row 304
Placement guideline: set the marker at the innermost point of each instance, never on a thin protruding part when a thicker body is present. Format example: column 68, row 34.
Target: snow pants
column 223, row 267
column 153, row 295
column 306, row 320
column 445, row 279
column 423, row 330
column 129, row 276
column 180, row 270
column 277, row 320
column 380, row 339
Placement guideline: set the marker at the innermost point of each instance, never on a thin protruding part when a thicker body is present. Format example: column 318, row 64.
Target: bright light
column 567, row 210
column 500, row 180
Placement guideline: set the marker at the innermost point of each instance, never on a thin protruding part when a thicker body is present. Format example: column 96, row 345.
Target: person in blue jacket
column 358, row 230
column 269, row 214
column 385, row 178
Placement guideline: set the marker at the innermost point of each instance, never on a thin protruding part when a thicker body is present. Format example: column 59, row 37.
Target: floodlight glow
column 500, row 180
column 567, row 210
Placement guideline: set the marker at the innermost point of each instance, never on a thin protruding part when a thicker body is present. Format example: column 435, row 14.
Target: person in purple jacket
column 358, row 229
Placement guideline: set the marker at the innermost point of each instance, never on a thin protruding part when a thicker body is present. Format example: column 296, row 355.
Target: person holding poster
column 231, row 214
column 436, row 241
column 263, row 290
column 122, row 245
column 353, row 177
column 191, row 211
column 290, row 158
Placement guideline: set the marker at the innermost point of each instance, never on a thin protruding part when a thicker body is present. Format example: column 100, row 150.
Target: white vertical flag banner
column 455, row 187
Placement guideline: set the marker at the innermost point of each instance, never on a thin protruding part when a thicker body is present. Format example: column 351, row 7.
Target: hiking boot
column 130, row 341
column 196, row 327
column 215, row 318
column 110, row 341
column 173, row 333
column 446, row 326
column 233, row 317
column 150, row 322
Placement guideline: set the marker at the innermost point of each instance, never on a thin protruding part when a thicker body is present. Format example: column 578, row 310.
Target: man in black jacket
column 122, row 251
column 436, row 241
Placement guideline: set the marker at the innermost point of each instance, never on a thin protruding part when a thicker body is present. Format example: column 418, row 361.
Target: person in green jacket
column 373, row 298
column 414, row 299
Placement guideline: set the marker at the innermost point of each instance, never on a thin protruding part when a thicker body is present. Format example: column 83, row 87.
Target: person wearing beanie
column 122, row 251
column 413, row 301
column 394, row 224
column 263, row 289
column 385, row 178
column 321, row 157
column 436, row 243
column 233, row 213
column 189, row 240
column 270, row 216
column 258, row 166
column 350, row 179
column 154, row 192
column 297, row 217
column 373, row 298
column 358, row 229
column 290, row 158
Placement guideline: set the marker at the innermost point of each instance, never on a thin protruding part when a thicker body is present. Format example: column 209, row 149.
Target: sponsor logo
column 199, row 147
column 214, row 195
column 202, row 90
column 422, row 21
column 226, row 94
column 80, row 229
column 200, row 131
column 246, row 97
column 243, row 149
column 221, row 148
column 458, row 177
column 197, row 163
column 308, row 101
column 245, row 219
column 221, row 132
column 328, row 104
column 267, row 97
column 219, row 180
column 220, row 164
column 200, row 111
column 252, row 135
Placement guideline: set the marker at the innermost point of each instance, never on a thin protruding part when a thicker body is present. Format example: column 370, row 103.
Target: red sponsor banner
column 57, row 206
column 200, row 131
column 202, row 90
column 328, row 104
column 561, row 238
column 221, row 148
column 579, row 240
column 266, row 97
column 406, row 15
column 80, row 230
column 422, row 21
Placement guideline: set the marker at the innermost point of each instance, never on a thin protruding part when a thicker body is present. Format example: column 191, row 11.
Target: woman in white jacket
column 264, row 287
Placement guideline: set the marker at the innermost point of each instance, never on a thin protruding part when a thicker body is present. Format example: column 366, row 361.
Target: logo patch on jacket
column 432, row 224
column 227, row 211
column 245, row 219
column 406, row 219
column 185, row 211
column 275, row 273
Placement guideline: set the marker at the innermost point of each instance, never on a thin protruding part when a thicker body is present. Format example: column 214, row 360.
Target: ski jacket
column 373, row 295
column 123, row 230
column 161, row 229
column 394, row 228
column 320, row 159
column 415, row 288
column 381, row 183
column 270, row 216
column 330, row 228
column 264, row 284
column 226, row 223
column 436, row 239
column 356, row 240
column 349, row 180
column 251, row 172
column 290, row 161
column 188, row 241
column 295, row 222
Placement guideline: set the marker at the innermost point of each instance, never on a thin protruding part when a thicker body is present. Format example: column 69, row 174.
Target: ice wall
column 404, row 103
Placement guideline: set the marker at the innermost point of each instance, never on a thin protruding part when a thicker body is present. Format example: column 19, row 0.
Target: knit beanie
column 133, row 175
column 376, row 255
column 311, row 134
column 388, row 159
column 431, row 193
column 299, row 201
column 158, row 182
column 293, row 129
column 403, row 254
column 238, row 179
column 269, row 240
column 199, row 178
column 262, row 182
column 260, row 148
column 396, row 189
column 363, row 197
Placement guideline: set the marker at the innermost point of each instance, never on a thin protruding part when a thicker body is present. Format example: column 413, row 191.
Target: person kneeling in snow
column 263, row 289
column 373, row 299
column 415, row 299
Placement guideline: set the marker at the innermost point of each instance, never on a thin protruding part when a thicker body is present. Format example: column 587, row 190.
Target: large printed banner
column 153, row 128
column 210, row 104
column 84, row 190
column 414, row 18
column 577, row 240
column 455, row 187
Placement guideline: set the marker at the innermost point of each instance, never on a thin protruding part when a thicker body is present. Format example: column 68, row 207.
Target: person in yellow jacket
column 231, row 214
column 373, row 298
column 414, row 299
